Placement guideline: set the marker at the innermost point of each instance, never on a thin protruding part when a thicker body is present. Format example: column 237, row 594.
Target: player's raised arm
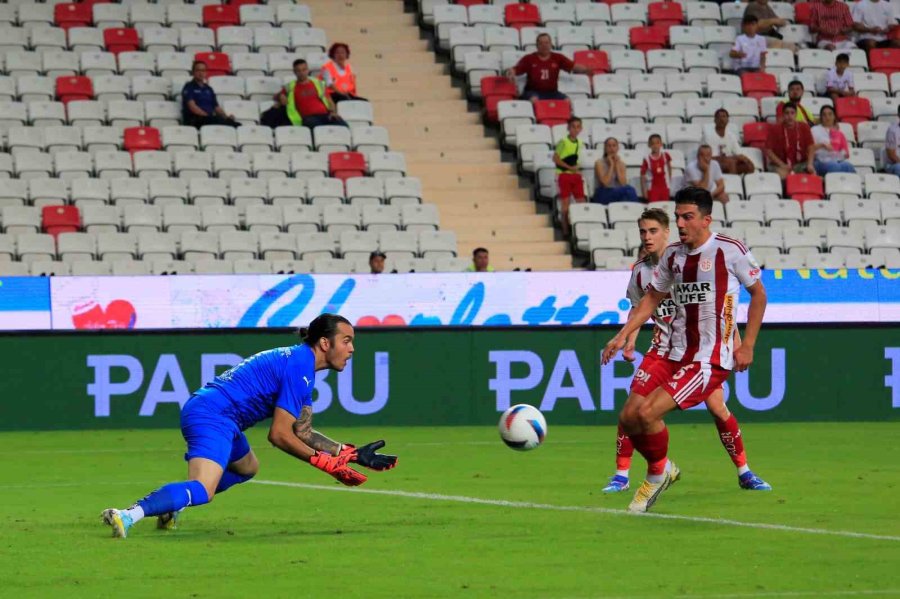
column 639, row 315
column 743, row 356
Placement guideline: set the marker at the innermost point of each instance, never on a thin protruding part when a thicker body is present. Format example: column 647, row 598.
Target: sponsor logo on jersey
column 729, row 318
column 642, row 375
column 693, row 293
column 666, row 309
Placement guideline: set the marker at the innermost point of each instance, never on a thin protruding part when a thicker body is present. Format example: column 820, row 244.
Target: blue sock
column 173, row 497
column 229, row 479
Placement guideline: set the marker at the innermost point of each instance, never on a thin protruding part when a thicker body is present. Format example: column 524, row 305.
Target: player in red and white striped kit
column 654, row 230
column 703, row 273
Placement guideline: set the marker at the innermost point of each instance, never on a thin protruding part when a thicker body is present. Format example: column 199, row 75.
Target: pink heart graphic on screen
column 391, row 320
column 118, row 314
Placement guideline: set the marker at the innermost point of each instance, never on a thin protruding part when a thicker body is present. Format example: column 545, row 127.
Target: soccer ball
column 522, row 427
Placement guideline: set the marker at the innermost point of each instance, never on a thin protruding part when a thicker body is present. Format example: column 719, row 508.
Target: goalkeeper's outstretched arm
column 304, row 431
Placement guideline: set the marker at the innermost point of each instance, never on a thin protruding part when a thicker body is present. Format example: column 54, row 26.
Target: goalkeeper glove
column 337, row 467
column 366, row 456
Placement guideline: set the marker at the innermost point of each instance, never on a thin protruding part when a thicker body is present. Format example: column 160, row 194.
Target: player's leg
column 733, row 441
column 652, row 442
column 624, row 448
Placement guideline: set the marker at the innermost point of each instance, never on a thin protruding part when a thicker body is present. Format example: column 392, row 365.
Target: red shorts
column 694, row 382
column 571, row 185
column 658, row 194
column 653, row 372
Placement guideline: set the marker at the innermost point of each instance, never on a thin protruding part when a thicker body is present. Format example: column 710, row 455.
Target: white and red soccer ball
column 522, row 427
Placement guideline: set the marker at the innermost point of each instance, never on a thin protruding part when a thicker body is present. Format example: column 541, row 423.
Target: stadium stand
column 664, row 68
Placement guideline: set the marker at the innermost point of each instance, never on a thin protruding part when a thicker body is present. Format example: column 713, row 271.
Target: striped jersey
column 641, row 277
column 704, row 284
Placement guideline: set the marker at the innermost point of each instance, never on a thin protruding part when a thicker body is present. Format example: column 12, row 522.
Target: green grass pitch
column 261, row 540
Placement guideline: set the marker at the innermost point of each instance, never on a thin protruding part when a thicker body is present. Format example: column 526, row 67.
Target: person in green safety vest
column 305, row 101
column 568, row 173
column 480, row 261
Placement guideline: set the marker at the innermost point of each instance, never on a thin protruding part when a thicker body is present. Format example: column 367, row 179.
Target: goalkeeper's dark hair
column 697, row 196
column 324, row 325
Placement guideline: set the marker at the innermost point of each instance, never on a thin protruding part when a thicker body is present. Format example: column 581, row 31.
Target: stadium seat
column 344, row 165
column 217, row 63
column 884, row 60
column 759, row 85
column 137, row 139
column 552, row 112
column 644, row 39
column 219, row 15
column 72, row 14
column 121, row 39
column 74, row 88
column 60, row 219
column 853, row 110
column 665, row 13
column 521, row 15
column 803, row 187
column 756, row 135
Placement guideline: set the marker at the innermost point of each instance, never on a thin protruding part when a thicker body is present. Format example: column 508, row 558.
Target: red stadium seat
column 91, row 3
column 756, row 135
column 613, row 1
column 217, row 63
column 595, row 61
column 759, row 85
column 468, row 3
column 219, row 15
column 802, row 187
column 346, row 165
column 802, row 12
column 60, row 219
column 74, row 88
column 665, row 13
column 137, row 139
column 522, row 15
column 853, row 110
column 884, row 60
column 121, row 39
column 647, row 38
column 495, row 89
column 73, row 14
column 552, row 112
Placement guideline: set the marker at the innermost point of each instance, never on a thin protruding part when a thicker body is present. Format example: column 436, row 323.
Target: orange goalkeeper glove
column 337, row 467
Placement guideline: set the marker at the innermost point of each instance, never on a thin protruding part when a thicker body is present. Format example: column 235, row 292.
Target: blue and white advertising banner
column 457, row 299
column 24, row 303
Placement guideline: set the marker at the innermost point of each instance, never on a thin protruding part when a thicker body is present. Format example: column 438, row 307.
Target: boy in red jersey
column 704, row 273
column 658, row 165
column 654, row 229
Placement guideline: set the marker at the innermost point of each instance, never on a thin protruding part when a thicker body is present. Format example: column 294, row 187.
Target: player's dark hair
column 749, row 19
column 657, row 214
column 721, row 110
column 796, row 82
column 323, row 325
column 298, row 62
column 842, row 57
column 195, row 64
column 573, row 120
column 477, row 251
column 654, row 136
column 699, row 197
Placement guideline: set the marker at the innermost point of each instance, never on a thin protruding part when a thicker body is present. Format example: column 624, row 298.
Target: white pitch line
column 773, row 594
column 582, row 508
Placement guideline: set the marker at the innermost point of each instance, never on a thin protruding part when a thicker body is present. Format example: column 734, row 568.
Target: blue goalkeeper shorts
column 211, row 436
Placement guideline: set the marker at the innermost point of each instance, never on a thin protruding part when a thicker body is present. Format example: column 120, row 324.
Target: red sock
column 730, row 435
column 654, row 448
column 624, row 450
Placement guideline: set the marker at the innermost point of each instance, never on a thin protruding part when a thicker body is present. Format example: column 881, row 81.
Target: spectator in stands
column 657, row 168
column 839, row 79
column 725, row 145
column 376, row 262
column 769, row 22
column 612, row 177
column 480, row 261
column 829, row 151
column 568, row 175
column 787, row 149
column 795, row 96
column 199, row 105
column 302, row 102
column 542, row 69
column 892, row 148
column 749, row 51
column 832, row 24
column 872, row 20
column 704, row 172
column 338, row 76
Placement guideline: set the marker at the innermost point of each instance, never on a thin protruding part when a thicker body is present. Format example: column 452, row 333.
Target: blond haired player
column 704, row 273
column 654, row 228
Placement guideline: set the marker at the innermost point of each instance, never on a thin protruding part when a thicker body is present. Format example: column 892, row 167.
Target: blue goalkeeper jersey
column 283, row 377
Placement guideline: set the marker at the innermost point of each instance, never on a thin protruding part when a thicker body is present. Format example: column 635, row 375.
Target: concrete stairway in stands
column 445, row 145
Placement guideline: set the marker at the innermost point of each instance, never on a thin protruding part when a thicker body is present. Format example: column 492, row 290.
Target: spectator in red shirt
column 302, row 102
column 787, row 149
column 833, row 23
column 542, row 68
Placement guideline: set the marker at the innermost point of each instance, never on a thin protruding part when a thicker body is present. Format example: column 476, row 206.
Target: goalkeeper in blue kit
column 276, row 384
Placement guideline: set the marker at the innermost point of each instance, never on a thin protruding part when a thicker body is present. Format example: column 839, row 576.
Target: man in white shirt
column 892, row 149
column 725, row 146
column 704, row 172
column 749, row 50
column 872, row 19
column 839, row 79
